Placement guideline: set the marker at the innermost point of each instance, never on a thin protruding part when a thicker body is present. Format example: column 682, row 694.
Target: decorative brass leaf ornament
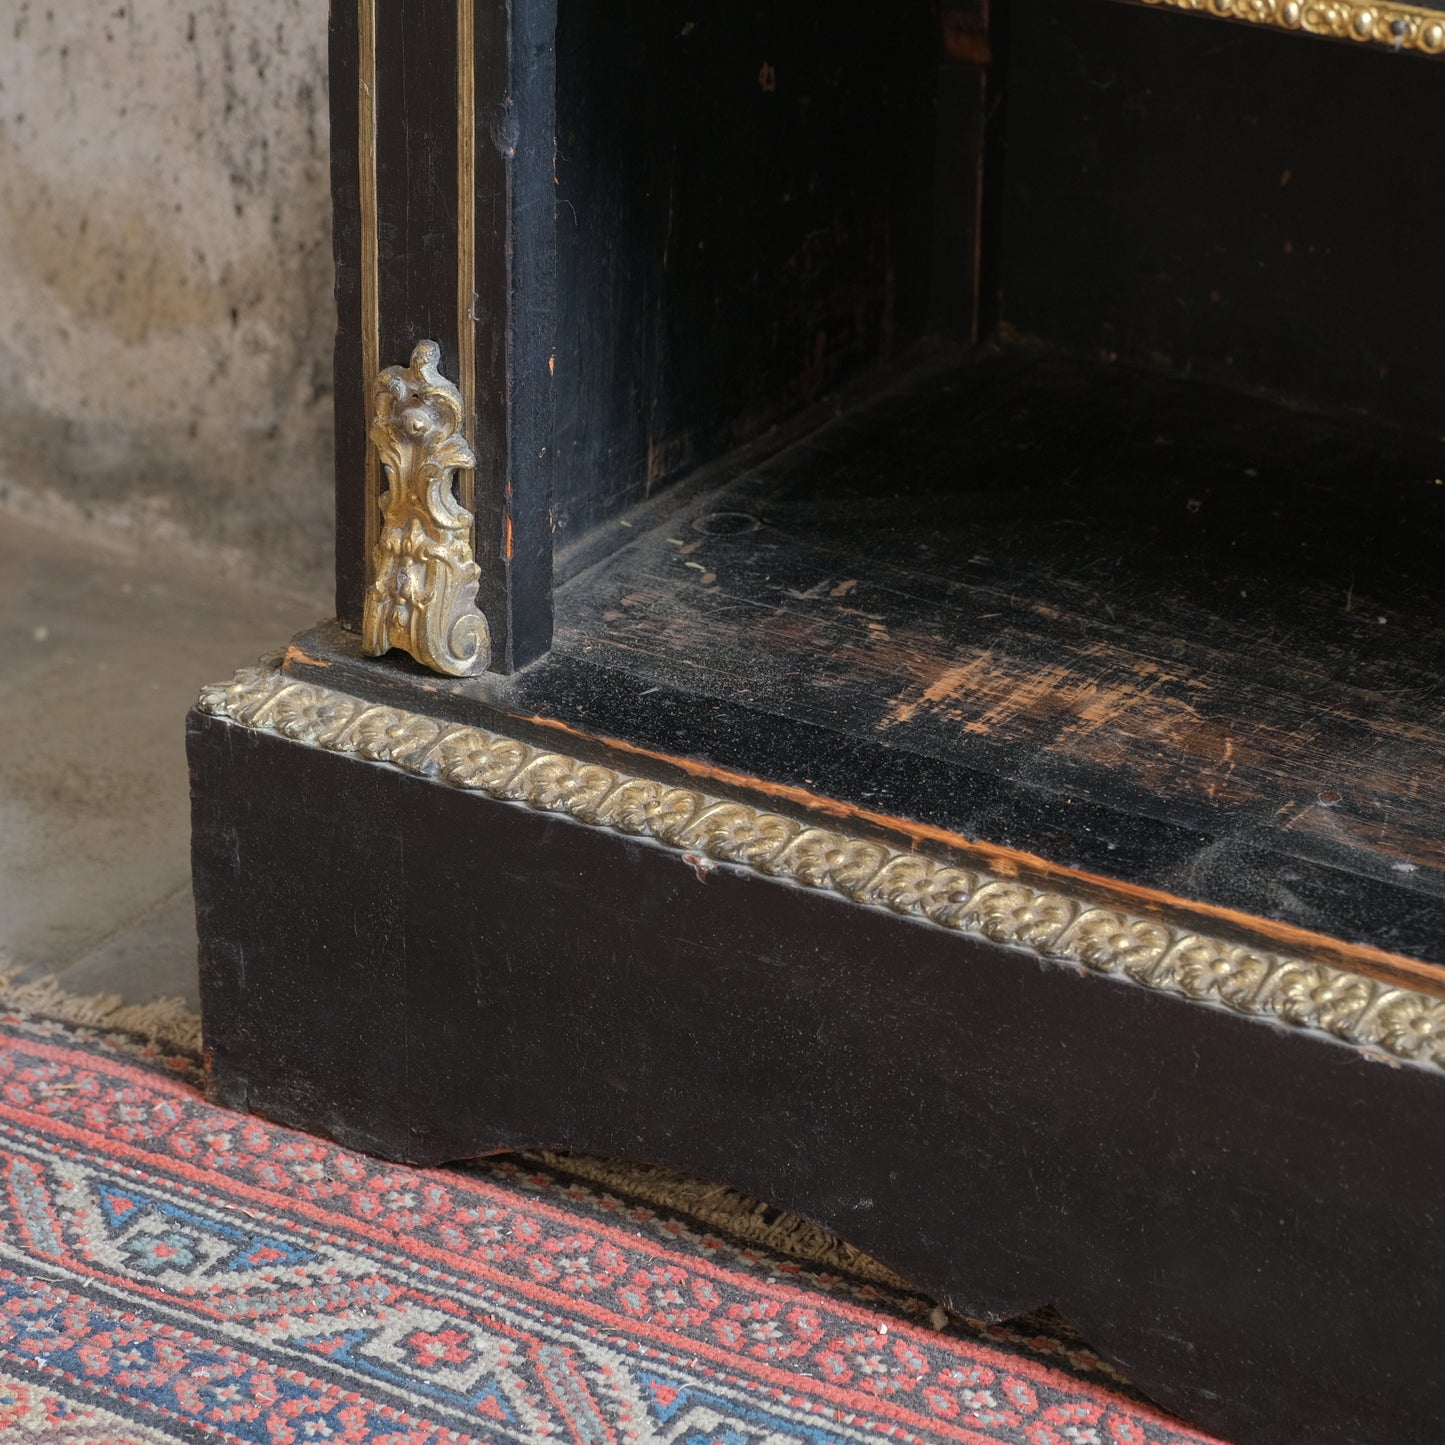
column 423, row 594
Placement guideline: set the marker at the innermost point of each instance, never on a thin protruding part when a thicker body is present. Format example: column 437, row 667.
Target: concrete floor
column 101, row 653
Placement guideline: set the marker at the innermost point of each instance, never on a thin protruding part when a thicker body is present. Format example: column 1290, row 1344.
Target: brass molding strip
column 1396, row 27
column 1365, row 1012
column 467, row 238
column 370, row 265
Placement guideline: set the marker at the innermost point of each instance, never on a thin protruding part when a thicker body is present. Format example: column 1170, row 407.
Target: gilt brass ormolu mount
column 423, row 593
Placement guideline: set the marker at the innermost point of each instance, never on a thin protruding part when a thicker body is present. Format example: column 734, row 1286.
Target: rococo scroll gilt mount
column 423, row 593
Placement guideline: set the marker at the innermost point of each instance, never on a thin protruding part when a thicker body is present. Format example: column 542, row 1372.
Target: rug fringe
column 166, row 1022
column 725, row 1208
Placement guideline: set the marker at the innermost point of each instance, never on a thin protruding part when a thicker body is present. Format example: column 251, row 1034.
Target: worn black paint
column 1245, row 1218
column 1168, row 853
column 527, row 110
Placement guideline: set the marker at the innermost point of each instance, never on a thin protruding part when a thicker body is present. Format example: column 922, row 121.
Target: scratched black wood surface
column 1100, row 588
column 350, row 400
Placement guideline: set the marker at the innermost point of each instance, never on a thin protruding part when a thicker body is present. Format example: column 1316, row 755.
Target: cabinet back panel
column 1243, row 205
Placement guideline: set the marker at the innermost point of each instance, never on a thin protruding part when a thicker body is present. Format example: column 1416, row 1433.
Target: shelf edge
column 1411, row 28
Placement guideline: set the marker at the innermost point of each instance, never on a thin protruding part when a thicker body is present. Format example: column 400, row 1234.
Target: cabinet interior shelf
column 1156, row 628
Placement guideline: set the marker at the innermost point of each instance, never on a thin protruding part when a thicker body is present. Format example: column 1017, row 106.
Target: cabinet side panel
column 744, row 223
column 528, row 112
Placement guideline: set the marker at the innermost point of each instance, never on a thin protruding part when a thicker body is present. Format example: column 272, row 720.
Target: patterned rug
column 170, row 1271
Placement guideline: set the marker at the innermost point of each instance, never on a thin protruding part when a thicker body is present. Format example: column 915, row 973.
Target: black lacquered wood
column 1245, row 1218
column 421, row 289
column 516, row 147
column 416, row 161
column 1174, row 630
column 351, row 400
column 746, row 220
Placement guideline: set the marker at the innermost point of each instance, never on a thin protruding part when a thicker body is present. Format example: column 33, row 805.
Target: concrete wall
column 165, row 281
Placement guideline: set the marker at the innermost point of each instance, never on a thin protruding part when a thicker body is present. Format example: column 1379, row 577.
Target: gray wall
column 165, row 281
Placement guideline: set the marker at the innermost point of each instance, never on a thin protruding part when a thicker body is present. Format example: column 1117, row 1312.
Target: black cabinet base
column 1246, row 1218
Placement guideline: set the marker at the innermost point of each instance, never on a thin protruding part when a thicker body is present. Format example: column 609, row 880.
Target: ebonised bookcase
column 889, row 653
